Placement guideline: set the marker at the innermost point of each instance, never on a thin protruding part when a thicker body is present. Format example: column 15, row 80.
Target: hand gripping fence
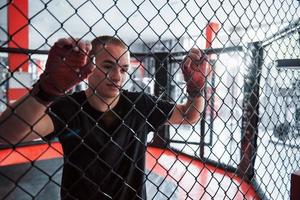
column 244, row 146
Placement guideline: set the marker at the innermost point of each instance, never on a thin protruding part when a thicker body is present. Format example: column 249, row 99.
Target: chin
column 108, row 94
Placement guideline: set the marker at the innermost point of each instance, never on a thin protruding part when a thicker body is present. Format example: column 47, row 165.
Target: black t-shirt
column 104, row 153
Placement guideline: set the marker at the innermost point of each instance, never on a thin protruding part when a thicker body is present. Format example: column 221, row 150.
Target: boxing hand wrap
column 68, row 64
column 194, row 72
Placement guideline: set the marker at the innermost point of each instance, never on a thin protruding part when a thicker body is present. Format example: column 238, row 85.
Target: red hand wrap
column 194, row 72
column 68, row 64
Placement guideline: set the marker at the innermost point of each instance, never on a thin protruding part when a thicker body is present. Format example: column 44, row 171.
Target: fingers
column 194, row 57
column 83, row 46
column 198, row 60
column 197, row 56
column 75, row 60
column 194, row 67
column 86, row 70
column 82, row 72
column 74, row 45
column 64, row 42
column 72, row 52
column 186, row 67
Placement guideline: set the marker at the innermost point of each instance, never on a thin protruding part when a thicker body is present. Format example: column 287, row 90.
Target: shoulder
column 69, row 102
column 74, row 97
column 144, row 101
column 138, row 97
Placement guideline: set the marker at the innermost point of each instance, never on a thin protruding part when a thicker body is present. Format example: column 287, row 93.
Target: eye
column 124, row 70
column 107, row 67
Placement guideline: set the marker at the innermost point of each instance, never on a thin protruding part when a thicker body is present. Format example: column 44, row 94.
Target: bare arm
column 66, row 66
column 188, row 113
column 24, row 120
column 194, row 72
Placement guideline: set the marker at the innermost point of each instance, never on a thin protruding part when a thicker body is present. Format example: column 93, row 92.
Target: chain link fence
column 250, row 126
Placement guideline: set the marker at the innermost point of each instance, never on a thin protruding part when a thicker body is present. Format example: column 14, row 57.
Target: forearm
column 19, row 118
column 68, row 64
column 193, row 109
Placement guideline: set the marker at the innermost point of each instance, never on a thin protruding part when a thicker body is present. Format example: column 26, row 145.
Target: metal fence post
column 250, row 116
column 161, row 90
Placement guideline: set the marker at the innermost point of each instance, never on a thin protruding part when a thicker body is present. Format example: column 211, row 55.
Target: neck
column 100, row 103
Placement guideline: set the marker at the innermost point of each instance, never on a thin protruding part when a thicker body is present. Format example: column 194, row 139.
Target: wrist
column 195, row 92
column 41, row 95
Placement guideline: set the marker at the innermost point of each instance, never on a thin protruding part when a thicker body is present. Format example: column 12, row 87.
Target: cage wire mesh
column 250, row 125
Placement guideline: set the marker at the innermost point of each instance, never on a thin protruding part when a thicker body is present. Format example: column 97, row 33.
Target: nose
column 115, row 75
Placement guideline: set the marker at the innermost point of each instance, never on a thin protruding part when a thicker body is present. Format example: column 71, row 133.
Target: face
column 112, row 63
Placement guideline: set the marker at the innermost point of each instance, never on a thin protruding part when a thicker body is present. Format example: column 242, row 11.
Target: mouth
column 114, row 86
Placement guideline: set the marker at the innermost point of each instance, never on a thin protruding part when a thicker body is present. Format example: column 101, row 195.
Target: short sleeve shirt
column 106, row 160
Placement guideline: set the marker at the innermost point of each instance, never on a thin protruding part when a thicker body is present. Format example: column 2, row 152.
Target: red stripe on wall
column 30, row 153
column 19, row 34
column 15, row 93
column 211, row 30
